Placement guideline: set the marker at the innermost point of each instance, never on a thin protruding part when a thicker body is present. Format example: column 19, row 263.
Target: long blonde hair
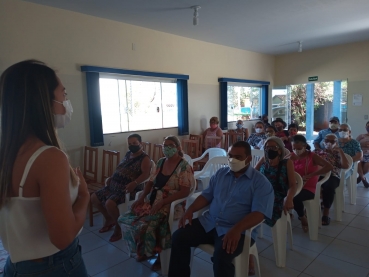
column 26, row 95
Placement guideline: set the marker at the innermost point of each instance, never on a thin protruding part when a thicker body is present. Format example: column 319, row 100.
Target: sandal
column 365, row 183
column 156, row 266
column 326, row 220
column 106, row 228
column 114, row 237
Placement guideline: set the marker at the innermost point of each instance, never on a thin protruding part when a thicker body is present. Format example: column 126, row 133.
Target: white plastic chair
column 188, row 159
column 313, row 209
column 351, row 184
column 279, row 231
column 124, row 206
column 213, row 152
column 209, row 170
column 256, row 156
column 241, row 262
column 339, row 197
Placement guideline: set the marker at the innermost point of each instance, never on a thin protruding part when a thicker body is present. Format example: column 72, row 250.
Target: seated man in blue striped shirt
column 334, row 124
column 239, row 197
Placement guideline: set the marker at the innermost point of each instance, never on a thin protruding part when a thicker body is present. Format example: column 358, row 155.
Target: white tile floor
column 341, row 250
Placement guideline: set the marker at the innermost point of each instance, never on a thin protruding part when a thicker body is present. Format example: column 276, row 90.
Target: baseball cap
column 334, row 118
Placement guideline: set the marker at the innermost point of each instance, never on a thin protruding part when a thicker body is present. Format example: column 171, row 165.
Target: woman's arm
column 145, row 173
column 63, row 218
column 358, row 156
column 344, row 161
column 292, row 186
column 325, row 166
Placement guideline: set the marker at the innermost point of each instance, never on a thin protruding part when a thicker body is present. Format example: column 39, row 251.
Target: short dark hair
column 271, row 126
column 301, row 138
column 244, row 145
column 293, row 125
column 137, row 136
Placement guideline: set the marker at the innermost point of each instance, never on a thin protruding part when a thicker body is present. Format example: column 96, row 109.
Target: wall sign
column 313, row 78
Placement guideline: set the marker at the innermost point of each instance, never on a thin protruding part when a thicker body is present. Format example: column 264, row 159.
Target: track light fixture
column 300, row 47
column 195, row 14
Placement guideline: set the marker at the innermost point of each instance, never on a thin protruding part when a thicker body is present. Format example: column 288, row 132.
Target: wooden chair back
column 212, row 141
column 90, row 162
column 157, row 152
column 199, row 139
column 191, row 147
column 147, row 148
column 110, row 161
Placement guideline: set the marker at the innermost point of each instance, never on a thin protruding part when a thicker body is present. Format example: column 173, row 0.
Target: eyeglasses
column 169, row 146
column 274, row 148
column 331, row 141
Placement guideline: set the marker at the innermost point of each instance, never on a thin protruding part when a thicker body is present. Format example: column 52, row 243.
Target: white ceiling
column 264, row 26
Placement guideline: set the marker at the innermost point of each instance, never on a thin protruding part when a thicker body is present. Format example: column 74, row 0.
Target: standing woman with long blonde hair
column 43, row 201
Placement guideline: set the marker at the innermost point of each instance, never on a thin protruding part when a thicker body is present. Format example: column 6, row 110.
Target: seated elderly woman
column 259, row 135
column 129, row 174
column 281, row 174
column 349, row 146
column 363, row 167
column 310, row 166
column 336, row 157
column 213, row 131
column 242, row 133
column 146, row 225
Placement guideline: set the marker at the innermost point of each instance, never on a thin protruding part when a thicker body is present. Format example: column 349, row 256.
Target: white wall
column 349, row 61
column 66, row 40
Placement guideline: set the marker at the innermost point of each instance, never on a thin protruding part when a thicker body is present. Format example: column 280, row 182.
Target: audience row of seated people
column 145, row 226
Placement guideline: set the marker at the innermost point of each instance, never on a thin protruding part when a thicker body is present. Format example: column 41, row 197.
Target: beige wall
column 66, row 40
column 349, row 61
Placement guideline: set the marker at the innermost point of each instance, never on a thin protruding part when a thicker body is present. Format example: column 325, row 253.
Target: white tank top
column 23, row 228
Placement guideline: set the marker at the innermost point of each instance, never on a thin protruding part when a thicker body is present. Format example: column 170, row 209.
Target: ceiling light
column 195, row 14
column 300, row 47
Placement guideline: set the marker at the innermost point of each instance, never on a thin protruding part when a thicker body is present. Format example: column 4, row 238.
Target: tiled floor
column 341, row 250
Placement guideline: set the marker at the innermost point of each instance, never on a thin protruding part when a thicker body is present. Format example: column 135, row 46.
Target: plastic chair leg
column 260, row 231
column 289, row 230
column 279, row 231
column 353, row 189
column 313, row 217
column 254, row 252
column 164, row 260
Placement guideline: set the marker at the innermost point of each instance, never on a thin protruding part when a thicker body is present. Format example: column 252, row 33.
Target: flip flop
column 114, row 238
column 326, row 220
column 106, row 228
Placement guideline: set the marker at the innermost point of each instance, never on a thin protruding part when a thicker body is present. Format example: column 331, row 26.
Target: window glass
column 133, row 105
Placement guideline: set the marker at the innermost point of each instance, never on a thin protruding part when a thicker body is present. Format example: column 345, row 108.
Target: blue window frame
column 94, row 101
column 224, row 84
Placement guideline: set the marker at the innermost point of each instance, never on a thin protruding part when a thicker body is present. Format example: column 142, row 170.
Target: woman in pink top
column 213, row 131
column 310, row 166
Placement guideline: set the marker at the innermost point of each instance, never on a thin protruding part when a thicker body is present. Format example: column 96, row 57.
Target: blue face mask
column 239, row 126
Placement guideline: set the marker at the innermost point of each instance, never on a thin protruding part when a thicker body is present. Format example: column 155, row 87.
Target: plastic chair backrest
column 256, row 156
column 299, row 183
column 343, row 170
column 216, row 152
column 188, row 159
column 319, row 184
column 212, row 166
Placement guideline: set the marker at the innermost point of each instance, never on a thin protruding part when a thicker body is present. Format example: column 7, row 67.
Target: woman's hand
column 138, row 202
column 307, row 177
column 288, row 205
column 131, row 187
column 82, row 188
column 284, row 138
column 156, row 207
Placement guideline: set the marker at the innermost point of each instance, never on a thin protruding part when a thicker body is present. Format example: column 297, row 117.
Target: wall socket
column 366, row 116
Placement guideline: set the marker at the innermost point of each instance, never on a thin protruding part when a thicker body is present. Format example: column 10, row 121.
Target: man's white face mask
column 236, row 165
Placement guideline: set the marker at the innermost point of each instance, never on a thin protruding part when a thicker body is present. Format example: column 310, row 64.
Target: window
column 243, row 102
column 134, row 105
